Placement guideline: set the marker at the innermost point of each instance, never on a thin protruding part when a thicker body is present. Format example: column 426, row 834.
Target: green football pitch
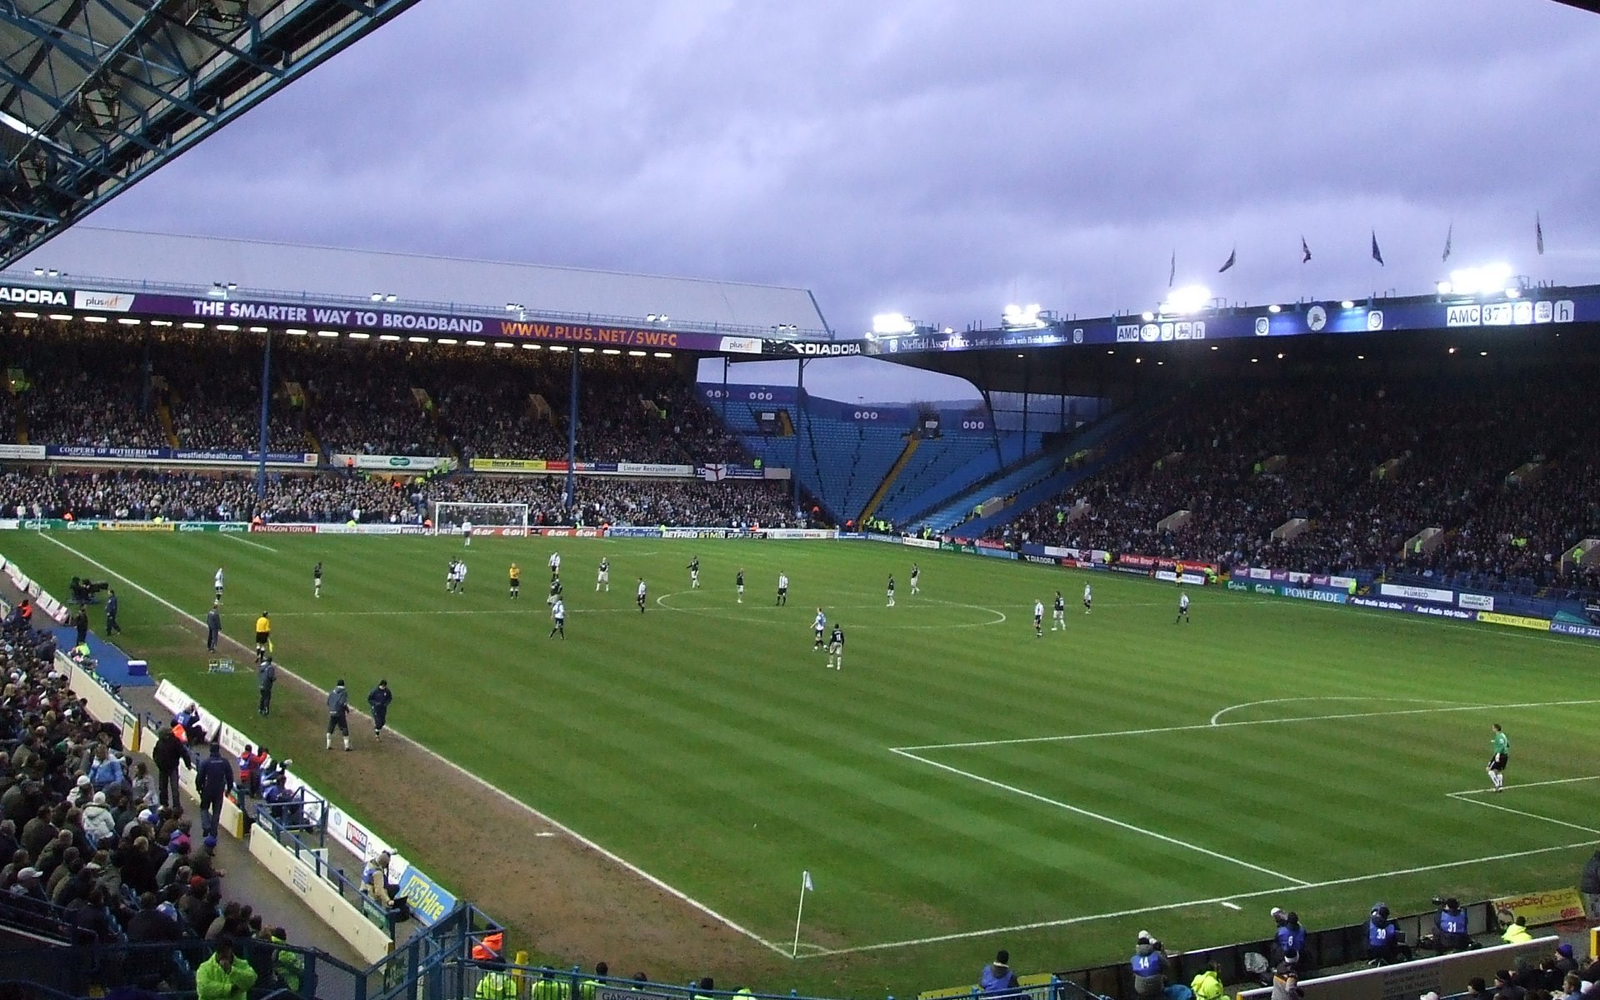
column 960, row 785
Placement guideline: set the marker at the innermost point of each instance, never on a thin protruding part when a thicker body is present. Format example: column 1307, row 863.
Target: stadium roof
column 96, row 94
column 291, row 271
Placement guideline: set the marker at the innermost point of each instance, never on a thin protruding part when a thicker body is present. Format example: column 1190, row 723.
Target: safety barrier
column 1440, row 974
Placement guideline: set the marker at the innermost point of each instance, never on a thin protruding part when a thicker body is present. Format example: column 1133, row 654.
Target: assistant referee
column 263, row 637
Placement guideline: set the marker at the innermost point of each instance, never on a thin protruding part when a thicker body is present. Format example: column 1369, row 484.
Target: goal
column 449, row 516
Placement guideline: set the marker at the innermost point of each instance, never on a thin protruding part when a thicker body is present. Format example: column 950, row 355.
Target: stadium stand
column 331, row 497
column 79, row 385
column 912, row 499
column 1502, row 468
column 93, row 859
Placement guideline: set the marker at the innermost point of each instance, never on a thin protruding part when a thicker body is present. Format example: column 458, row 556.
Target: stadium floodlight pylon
column 449, row 516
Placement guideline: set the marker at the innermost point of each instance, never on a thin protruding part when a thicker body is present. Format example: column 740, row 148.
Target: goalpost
column 449, row 516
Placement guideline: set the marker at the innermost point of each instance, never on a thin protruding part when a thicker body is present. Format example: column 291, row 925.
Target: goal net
column 450, row 516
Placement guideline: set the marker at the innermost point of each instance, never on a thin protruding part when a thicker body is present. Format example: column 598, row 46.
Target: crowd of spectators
column 107, row 386
column 338, row 497
column 91, row 850
column 1368, row 466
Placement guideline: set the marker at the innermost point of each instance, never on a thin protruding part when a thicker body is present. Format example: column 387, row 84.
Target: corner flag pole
column 805, row 887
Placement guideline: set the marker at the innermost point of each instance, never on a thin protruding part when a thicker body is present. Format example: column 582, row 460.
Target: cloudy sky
column 936, row 158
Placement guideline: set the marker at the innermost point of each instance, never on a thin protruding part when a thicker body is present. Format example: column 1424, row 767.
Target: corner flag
column 805, row 882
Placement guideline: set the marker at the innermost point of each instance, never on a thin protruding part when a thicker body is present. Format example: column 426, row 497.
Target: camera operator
column 1451, row 925
column 1150, row 965
column 1385, row 943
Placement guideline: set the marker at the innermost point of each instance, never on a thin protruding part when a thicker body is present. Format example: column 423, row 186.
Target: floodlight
column 1274, row 309
column 38, row 272
column 1022, row 317
column 1347, row 304
column 1488, row 279
column 377, row 296
column 1147, row 316
column 390, row 297
column 1513, row 293
column 892, row 324
column 1445, row 288
column 1186, row 299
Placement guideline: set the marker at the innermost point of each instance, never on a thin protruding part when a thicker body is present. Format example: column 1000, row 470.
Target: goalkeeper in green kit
column 1500, row 747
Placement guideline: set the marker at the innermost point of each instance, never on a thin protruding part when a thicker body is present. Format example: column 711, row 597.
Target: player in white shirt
column 1183, row 609
column 640, row 596
column 836, row 647
column 555, row 565
column 916, row 579
column 1038, row 619
column 461, row 577
column 818, row 624
column 1060, row 619
column 466, row 533
column 216, row 583
column 1088, row 597
column 558, row 619
column 783, row 589
column 891, row 590
column 604, row 577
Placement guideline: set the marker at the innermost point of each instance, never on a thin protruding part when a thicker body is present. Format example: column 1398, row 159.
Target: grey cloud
column 935, row 157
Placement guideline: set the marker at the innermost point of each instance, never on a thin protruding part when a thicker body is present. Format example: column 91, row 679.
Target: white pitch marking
column 1231, row 906
column 1251, row 722
column 543, row 818
column 1528, row 784
column 245, row 541
column 1163, row 907
column 1330, row 697
column 1462, row 797
column 1101, row 817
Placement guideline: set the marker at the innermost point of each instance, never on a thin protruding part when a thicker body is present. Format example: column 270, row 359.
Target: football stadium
column 1208, row 648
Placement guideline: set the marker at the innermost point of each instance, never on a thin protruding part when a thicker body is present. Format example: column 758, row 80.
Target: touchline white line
column 1035, row 796
column 541, row 817
column 1213, row 900
column 245, row 541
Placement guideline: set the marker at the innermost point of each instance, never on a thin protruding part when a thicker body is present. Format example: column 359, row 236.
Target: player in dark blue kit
column 694, row 573
column 836, row 647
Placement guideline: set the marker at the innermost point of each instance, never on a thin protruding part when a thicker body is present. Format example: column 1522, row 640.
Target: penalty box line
column 1468, row 796
column 1247, row 722
column 611, row 856
column 1213, row 900
column 1120, row 824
